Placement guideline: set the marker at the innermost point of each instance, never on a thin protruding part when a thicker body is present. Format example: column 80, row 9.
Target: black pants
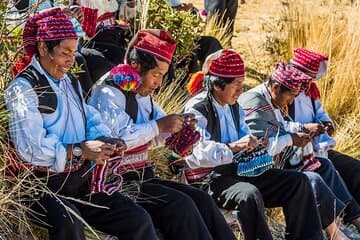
column 279, row 188
column 122, row 217
column 331, row 194
column 112, row 43
column 228, row 8
column 349, row 169
column 206, row 46
column 338, row 186
column 94, row 65
column 180, row 211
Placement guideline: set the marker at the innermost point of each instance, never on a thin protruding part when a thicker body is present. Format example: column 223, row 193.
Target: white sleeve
column 110, row 102
column 207, row 153
column 321, row 114
column 159, row 139
column 32, row 141
column 277, row 144
column 293, row 127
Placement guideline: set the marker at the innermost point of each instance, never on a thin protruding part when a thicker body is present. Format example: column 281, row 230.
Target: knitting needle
column 93, row 166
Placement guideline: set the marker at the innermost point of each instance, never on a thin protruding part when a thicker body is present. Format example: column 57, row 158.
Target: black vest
column 131, row 105
column 46, row 95
column 207, row 109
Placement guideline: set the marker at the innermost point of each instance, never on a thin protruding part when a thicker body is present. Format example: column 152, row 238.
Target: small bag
column 107, row 178
column 254, row 163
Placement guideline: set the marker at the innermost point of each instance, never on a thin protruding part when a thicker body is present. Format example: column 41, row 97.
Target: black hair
column 210, row 81
column 50, row 45
column 283, row 88
column 146, row 60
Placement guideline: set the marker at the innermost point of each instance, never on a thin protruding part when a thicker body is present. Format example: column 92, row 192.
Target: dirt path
column 252, row 24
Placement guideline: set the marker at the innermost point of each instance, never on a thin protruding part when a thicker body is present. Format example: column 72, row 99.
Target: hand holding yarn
column 181, row 142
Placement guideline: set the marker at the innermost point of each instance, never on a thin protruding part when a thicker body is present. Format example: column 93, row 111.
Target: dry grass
column 217, row 27
column 333, row 28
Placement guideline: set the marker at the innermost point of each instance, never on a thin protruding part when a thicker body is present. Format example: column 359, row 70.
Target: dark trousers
column 349, row 169
column 333, row 179
column 330, row 206
column 228, row 8
column 180, row 211
column 206, row 46
column 93, row 65
column 247, row 202
column 111, row 43
column 332, row 196
column 279, row 188
column 121, row 217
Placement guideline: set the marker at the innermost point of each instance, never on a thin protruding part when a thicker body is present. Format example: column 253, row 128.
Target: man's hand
column 119, row 144
column 300, row 139
column 171, row 123
column 314, row 129
column 329, row 127
column 265, row 142
column 97, row 151
column 247, row 143
column 189, row 119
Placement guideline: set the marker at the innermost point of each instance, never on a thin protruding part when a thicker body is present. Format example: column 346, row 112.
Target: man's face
column 231, row 92
column 58, row 61
column 282, row 98
column 153, row 78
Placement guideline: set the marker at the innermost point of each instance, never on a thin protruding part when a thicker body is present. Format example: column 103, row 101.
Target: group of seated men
column 267, row 147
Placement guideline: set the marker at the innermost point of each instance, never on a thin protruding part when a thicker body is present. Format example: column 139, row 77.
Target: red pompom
column 195, row 84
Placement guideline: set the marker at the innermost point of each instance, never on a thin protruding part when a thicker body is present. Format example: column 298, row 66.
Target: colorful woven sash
column 15, row 165
column 196, row 175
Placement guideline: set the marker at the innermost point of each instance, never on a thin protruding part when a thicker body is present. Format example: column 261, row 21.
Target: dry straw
column 332, row 28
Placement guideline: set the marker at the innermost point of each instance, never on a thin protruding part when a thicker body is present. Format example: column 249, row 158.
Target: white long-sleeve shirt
column 41, row 138
column 209, row 153
column 304, row 113
column 111, row 103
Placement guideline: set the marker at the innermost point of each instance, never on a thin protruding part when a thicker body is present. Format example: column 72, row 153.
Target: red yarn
column 313, row 91
column 195, row 85
column 182, row 142
column 89, row 22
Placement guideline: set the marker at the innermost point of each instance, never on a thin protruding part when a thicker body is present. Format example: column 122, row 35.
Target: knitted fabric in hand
column 125, row 77
column 107, row 178
column 254, row 163
column 89, row 22
column 181, row 142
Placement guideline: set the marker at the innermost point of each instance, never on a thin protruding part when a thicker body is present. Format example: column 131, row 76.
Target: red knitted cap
column 229, row 65
column 308, row 60
column 50, row 24
column 289, row 76
column 154, row 41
